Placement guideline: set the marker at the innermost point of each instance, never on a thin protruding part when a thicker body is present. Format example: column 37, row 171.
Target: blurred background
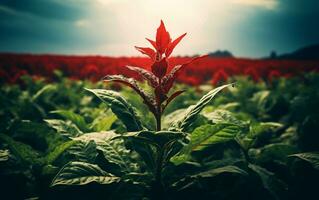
column 246, row 28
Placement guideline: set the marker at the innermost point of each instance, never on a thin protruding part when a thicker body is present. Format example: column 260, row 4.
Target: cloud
column 113, row 27
column 82, row 23
column 53, row 9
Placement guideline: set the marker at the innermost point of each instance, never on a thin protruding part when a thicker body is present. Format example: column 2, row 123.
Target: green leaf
column 270, row 182
column 222, row 116
column 52, row 156
column 272, row 152
column 81, row 173
column 85, row 151
column 260, row 98
column 120, row 107
column 98, row 137
column 204, row 136
column 217, row 171
column 24, row 152
column 146, row 148
column 310, row 157
column 188, row 182
column 88, row 143
column 4, row 155
column 256, row 131
column 115, row 152
column 76, row 119
column 261, row 127
column 43, row 90
column 192, row 112
column 103, row 123
column 169, row 119
column 67, row 129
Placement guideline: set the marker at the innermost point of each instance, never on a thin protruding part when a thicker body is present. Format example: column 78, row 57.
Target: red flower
column 219, row 76
column 162, row 45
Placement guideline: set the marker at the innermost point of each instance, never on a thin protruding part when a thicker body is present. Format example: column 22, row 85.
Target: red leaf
column 162, row 38
column 173, row 44
column 153, row 43
column 173, row 96
column 147, row 75
column 169, row 79
column 148, row 100
column 147, row 51
column 159, row 69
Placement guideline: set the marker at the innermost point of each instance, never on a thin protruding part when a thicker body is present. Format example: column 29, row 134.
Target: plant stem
column 158, row 122
column 159, row 112
column 158, row 184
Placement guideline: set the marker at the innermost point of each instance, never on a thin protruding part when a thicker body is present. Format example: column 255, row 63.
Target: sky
column 247, row 28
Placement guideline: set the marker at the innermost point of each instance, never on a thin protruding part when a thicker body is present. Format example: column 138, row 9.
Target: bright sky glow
column 250, row 28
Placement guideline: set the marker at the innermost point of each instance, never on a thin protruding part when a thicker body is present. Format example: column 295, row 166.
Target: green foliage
column 256, row 141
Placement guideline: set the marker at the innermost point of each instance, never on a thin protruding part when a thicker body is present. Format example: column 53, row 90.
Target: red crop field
column 204, row 70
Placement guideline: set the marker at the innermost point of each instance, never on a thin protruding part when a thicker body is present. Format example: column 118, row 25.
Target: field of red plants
column 206, row 70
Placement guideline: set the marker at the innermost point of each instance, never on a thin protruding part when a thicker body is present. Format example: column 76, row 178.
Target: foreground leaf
column 192, row 112
column 205, row 136
column 120, row 107
column 310, row 157
column 81, row 173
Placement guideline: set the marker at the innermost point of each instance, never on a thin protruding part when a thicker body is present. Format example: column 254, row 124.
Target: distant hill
column 221, row 54
column 305, row 53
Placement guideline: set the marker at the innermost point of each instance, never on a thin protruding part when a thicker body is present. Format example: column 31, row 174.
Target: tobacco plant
column 155, row 148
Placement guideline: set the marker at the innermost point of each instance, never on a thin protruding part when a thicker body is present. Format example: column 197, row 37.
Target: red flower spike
column 159, row 68
column 147, row 51
column 162, row 38
column 172, row 45
column 157, row 78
